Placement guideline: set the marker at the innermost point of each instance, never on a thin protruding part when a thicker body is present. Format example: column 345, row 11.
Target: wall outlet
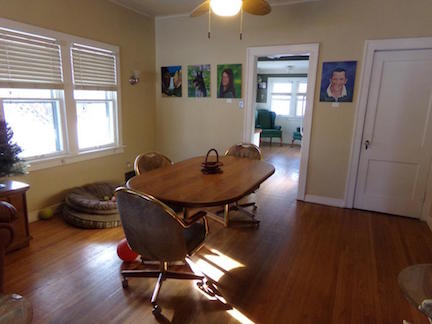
column 241, row 104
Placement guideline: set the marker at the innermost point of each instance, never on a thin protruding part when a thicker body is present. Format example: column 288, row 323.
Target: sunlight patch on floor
column 215, row 265
column 239, row 316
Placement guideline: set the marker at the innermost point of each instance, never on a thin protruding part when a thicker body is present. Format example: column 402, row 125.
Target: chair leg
column 156, row 308
column 271, row 140
column 281, row 141
column 226, row 215
column 251, row 204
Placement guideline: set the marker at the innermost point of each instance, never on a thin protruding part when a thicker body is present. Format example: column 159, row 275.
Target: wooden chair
column 149, row 161
column 154, row 231
column 245, row 151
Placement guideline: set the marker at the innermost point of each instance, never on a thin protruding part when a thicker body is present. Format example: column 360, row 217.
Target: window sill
column 60, row 160
column 289, row 117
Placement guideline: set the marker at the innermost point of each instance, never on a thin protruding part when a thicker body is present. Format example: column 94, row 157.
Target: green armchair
column 265, row 120
column 297, row 135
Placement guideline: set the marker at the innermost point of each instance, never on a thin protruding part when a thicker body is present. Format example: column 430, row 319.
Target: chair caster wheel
column 204, row 287
column 125, row 283
column 156, row 310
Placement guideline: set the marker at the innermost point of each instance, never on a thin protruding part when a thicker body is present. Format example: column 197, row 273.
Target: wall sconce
column 135, row 77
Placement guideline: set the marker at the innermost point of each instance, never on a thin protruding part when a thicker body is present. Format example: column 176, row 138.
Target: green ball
column 46, row 213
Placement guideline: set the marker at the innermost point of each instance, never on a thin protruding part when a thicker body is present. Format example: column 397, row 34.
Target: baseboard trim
column 325, row 201
column 34, row 214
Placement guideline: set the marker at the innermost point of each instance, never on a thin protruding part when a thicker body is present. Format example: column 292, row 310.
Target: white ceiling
column 283, row 67
column 156, row 8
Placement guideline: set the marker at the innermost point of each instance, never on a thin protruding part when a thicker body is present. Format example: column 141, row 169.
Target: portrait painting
column 337, row 82
column 229, row 81
column 171, row 80
column 199, row 81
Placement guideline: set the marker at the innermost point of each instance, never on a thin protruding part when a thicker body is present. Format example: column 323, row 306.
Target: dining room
column 133, row 187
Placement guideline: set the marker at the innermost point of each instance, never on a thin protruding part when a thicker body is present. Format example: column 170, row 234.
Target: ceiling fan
column 229, row 8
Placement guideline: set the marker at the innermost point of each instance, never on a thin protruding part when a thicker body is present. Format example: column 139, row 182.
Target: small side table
column 416, row 284
column 15, row 309
column 15, row 194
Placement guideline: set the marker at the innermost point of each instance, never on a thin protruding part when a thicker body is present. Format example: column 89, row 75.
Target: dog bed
column 92, row 206
column 85, row 220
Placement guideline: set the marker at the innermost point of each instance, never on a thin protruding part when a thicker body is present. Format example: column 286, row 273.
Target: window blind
column 29, row 60
column 94, row 68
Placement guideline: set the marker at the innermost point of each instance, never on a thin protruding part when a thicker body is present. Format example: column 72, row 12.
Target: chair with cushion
column 297, row 135
column 245, row 151
column 265, row 120
column 146, row 162
column 149, row 161
column 154, row 231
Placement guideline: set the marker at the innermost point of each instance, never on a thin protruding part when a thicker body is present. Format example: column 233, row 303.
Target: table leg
column 226, row 215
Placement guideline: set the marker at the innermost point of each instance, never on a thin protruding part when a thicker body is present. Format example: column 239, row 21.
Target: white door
column 397, row 137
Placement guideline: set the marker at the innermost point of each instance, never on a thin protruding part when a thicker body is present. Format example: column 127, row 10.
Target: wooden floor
column 304, row 264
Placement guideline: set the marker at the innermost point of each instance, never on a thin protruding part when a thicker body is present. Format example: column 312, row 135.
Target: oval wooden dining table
column 183, row 184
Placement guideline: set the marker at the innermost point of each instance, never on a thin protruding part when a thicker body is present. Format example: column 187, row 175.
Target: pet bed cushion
column 95, row 198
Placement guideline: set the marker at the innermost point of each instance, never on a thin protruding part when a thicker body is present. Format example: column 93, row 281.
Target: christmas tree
column 10, row 163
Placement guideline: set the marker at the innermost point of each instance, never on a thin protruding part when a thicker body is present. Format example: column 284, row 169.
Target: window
column 35, row 118
column 95, row 85
column 301, row 99
column 95, row 118
column 281, row 97
column 59, row 94
column 288, row 96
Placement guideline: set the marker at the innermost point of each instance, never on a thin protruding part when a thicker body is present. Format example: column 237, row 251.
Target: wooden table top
column 184, row 184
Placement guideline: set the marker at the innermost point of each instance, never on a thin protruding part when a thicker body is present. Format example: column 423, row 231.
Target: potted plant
column 10, row 162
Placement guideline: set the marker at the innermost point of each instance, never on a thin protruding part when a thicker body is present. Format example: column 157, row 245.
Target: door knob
column 366, row 144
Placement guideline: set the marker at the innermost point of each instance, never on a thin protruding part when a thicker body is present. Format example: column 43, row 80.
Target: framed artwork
column 337, row 81
column 229, row 81
column 199, row 81
column 171, row 80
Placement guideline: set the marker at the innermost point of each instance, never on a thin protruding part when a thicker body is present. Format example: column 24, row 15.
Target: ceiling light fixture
column 226, row 8
column 229, row 8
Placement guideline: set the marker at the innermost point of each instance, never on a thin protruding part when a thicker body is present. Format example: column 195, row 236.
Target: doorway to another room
column 280, row 92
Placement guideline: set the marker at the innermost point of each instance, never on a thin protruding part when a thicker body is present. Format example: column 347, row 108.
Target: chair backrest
column 151, row 228
column 245, row 150
column 266, row 118
column 149, row 161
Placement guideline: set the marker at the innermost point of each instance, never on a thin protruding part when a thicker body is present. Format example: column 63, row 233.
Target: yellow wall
column 187, row 126
column 102, row 21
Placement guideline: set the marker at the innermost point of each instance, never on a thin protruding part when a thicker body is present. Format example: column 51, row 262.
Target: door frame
column 372, row 46
column 249, row 117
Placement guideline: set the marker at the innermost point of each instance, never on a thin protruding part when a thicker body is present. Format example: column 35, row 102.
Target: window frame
column 72, row 153
column 295, row 81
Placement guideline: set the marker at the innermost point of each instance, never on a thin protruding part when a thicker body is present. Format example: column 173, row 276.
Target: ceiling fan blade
column 256, row 7
column 202, row 9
